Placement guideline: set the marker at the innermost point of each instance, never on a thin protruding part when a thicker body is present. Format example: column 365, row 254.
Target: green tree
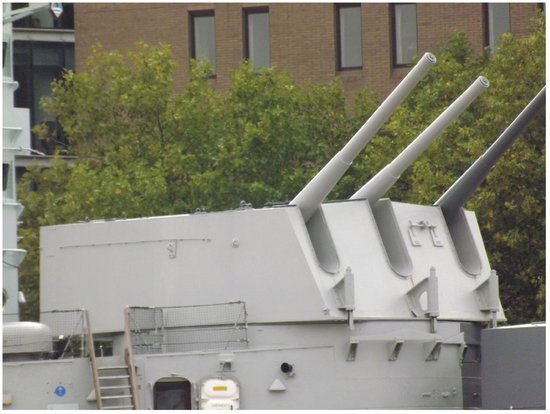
column 144, row 149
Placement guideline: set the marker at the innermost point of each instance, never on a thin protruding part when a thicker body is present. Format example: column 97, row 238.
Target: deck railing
column 220, row 326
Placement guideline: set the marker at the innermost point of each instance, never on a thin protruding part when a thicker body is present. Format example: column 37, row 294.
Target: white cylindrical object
column 26, row 337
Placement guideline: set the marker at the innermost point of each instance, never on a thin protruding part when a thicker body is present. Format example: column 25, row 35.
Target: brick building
column 367, row 44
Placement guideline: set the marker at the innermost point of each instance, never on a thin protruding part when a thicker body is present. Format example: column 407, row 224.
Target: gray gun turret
column 377, row 186
column 452, row 201
column 311, row 196
column 391, row 296
column 457, row 195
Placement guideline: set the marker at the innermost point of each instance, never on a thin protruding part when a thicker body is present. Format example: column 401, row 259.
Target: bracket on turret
column 345, row 295
column 429, row 286
column 352, row 349
column 433, row 349
column 395, row 342
column 423, row 224
column 487, row 296
column 395, row 348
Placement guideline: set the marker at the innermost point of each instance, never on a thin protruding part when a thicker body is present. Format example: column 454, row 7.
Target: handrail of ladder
column 90, row 340
column 129, row 358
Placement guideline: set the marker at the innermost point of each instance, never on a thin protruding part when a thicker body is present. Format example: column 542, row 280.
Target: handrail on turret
column 377, row 186
column 129, row 359
column 91, row 350
column 457, row 195
column 312, row 195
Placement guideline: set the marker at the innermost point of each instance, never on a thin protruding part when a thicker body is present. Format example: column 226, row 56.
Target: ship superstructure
column 349, row 304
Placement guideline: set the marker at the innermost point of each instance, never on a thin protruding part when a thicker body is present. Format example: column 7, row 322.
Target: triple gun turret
column 312, row 195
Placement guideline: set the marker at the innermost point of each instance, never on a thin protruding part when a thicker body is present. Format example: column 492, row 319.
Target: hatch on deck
column 172, row 393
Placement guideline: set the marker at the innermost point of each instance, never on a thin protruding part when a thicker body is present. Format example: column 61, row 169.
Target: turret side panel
column 434, row 248
column 382, row 293
column 42, row 385
column 250, row 255
column 378, row 290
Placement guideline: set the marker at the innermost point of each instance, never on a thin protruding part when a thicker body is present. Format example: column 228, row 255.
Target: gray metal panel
column 514, row 367
column 323, row 377
column 471, row 366
column 382, row 293
column 259, row 256
column 379, row 292
column 264, row 257
column 33, row 385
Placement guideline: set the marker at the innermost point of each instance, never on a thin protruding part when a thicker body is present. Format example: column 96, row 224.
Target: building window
column 497, row 22
column 404, row 33
column 350, row 48
column 6, row 56
column 5, row 176
column 203, row 37
column 4, row 52
column 36, row 64
column 44, row 19
column 257, row 37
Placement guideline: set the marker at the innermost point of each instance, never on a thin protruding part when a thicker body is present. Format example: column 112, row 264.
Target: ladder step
column 115, row 373
column 110, row 377
column 116, row 397
column 115, row 387
column 119, row 407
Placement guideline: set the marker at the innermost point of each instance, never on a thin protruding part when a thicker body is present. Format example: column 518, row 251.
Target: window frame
column 487, row 26
column 192, row 40
column 26, row 71
column 64, row 22
column 339, row 64
column 247, row 11
column 6, row 177
column 394, row 39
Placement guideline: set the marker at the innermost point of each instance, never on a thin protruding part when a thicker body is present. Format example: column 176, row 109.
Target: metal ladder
column 115, row 389
column 115, row 385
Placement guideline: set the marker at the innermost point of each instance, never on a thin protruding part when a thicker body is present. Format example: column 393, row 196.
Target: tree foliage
column 144, row 149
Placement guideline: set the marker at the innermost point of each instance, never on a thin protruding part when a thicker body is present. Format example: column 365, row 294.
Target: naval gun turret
column 456, row 196
column 359, row 303
column 313, row 194
column 453, row 200
column 377, row 186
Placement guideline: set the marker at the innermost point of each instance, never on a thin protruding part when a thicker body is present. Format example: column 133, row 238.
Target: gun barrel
column 377, row 186
column 312, row 195
column 457, row 195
